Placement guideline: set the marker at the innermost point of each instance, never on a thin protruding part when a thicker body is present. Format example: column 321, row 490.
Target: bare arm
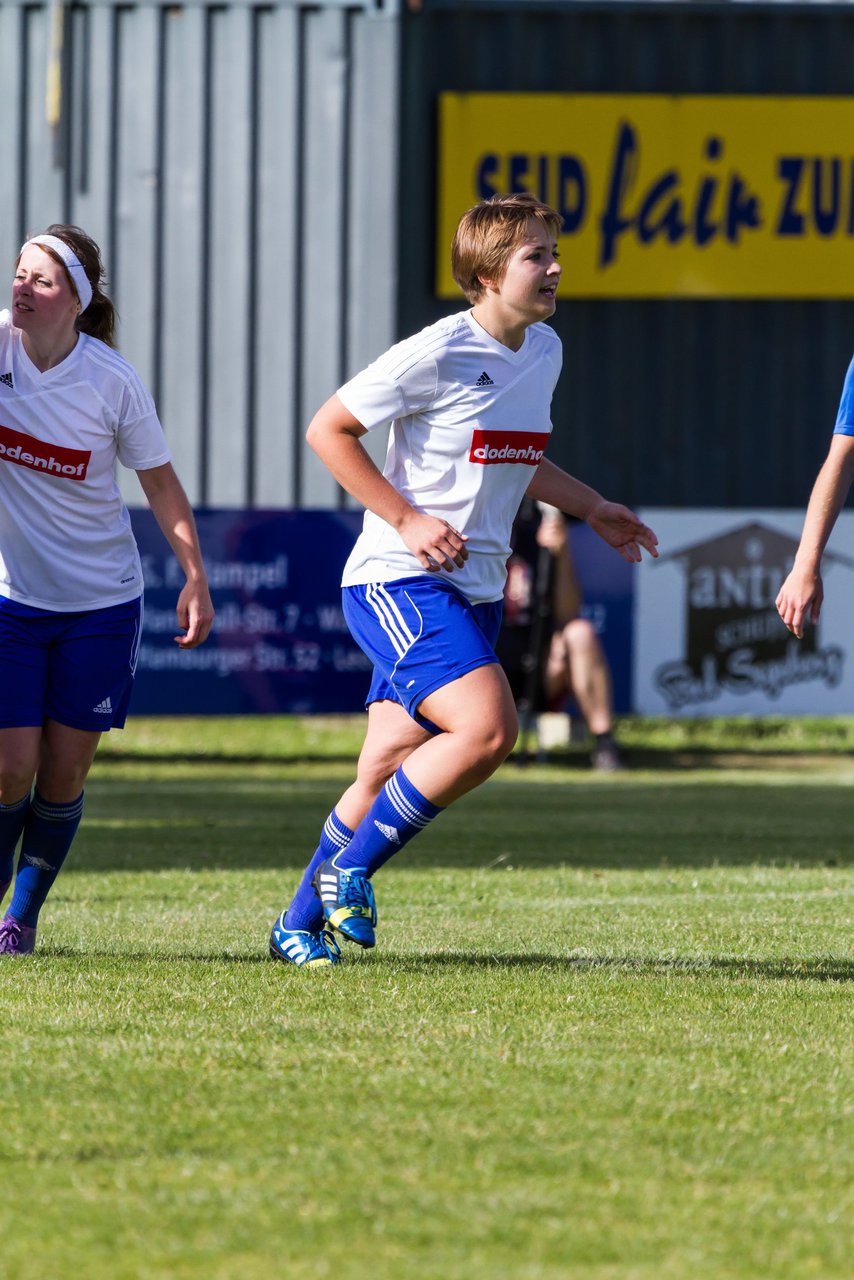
column 335, row 436
column 566, row 593
column 801, row 595
column 615, row 524
column 173, row 513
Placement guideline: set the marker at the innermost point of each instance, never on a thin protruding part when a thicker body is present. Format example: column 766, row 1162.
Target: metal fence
column 237, row 163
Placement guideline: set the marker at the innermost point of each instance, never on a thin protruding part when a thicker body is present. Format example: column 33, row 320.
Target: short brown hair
column 489, row 233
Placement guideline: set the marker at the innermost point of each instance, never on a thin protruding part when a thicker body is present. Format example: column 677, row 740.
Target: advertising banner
column 694, row 633
column 279, row 643
column 708, row 639
column 664, row 196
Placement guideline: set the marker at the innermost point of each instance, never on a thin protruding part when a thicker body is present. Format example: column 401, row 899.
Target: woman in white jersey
column 70, row 574
column 468, row 401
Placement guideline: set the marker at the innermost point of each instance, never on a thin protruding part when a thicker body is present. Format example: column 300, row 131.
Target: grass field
column 606, row 1032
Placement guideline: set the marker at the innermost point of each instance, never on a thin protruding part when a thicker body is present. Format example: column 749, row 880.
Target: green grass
column 606, row 1032
column 326, row 737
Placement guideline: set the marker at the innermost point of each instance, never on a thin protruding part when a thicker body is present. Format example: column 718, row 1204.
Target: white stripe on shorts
column 137, row 640
column 390, row 618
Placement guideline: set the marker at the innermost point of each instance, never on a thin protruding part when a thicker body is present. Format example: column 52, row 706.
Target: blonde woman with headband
column 70, row 574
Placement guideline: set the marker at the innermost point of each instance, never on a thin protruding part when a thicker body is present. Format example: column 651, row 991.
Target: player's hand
column 436, row 544
column 195, row 615
column 622, row 530
column 799, row 599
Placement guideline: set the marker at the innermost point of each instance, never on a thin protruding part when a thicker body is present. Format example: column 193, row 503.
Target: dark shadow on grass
column 151, row 957
column 814, row 969
column 689, row 759
column 225, row 757
column 646, row 758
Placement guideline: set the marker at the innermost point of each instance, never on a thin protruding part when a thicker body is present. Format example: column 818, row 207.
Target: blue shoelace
column 357, row 891
column 327, row 941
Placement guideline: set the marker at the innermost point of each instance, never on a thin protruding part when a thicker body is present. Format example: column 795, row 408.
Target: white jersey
column 65, row 535
column 470, row 420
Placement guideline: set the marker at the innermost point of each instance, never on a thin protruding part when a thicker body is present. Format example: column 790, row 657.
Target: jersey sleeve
column 845, row 417
column 140, row 441
column 396, row 385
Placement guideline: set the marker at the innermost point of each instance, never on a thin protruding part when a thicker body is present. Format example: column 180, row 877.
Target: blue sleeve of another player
column 845, row 416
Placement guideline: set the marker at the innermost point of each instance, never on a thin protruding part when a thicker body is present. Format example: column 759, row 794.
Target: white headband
column 72, row 263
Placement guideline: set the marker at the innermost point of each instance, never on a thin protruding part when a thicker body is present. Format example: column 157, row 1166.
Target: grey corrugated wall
column 668, row 402
column 237, row 163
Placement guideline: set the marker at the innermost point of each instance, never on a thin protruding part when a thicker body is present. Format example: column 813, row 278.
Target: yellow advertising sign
column 703, row 197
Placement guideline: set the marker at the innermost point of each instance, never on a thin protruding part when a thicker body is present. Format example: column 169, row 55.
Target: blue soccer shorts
column 420, row 633
column 75, row 668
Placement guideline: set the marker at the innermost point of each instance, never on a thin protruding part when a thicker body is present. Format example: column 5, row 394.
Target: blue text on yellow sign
column 663, row 196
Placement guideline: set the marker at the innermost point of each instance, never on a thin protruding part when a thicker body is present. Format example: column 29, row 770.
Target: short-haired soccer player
column 468, row 402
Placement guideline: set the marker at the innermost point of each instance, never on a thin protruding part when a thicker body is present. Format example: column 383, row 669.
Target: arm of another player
column 173, row 513
column 802, row 593
column 615, row 524
column 335, row 436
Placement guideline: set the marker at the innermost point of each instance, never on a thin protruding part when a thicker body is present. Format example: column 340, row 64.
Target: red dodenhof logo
column 53, row 459
column 526, row 447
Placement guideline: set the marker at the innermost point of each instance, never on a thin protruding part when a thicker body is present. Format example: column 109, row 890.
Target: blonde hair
column 490, row 232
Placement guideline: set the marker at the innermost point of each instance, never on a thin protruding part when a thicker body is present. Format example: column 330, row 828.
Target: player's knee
column 16, row 778
column 375, row 772
column 507, row 741
column 580, row 634
column 497, row 738
column 61, row 774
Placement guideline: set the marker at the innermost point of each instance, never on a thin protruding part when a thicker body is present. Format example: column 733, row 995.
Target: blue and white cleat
column 305, row 950
column 348, row 902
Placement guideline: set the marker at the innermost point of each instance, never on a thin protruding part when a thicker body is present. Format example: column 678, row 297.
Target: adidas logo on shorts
column 104, row 707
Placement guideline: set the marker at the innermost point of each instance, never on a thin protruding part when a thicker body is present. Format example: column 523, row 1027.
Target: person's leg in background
column 576, row 665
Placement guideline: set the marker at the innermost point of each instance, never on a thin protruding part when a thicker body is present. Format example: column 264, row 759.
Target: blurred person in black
column 548, row 650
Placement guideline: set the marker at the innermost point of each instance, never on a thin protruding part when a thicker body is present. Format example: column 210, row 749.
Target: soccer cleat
column 348, row 902
column 16, row 939
column 607, row 758
column 304, row 949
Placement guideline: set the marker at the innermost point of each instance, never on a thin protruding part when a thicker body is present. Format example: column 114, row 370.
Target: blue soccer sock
column 398, row 813
column 48, row 833
column 305, row 911
column 12, row 819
